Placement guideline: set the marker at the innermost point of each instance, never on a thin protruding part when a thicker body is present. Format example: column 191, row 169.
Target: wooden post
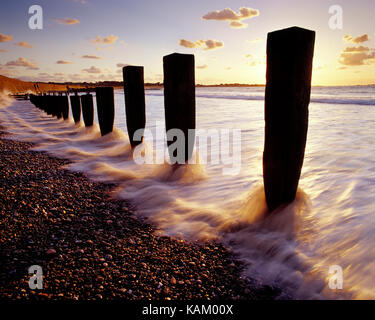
column 87, row 109
column 65, row 106
column 58, row 106
column 134, row 101
column 49, row 104
column 105, row 102
column 75, row 103
column 179, row 99
column 43, row 100
column 39, row 105
column 289, row 67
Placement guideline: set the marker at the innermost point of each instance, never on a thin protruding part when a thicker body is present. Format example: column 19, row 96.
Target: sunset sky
column 89, row 40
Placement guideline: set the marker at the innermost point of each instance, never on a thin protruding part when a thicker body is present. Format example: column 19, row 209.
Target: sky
column 91, row 40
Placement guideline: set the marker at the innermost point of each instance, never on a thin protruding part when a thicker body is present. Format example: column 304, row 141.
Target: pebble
column 51, row 252
column 103, row 253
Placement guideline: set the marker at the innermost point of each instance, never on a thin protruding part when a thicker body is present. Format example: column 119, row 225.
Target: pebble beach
column 91, row 246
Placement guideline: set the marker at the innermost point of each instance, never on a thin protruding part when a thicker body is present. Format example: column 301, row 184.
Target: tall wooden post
column 134, row 101
column 49, row 104
column 179, row 99
column 105, row 102
column 65, row 106
column 87, row 109
column 58, row 106
column 289, row 67
column 75, row 103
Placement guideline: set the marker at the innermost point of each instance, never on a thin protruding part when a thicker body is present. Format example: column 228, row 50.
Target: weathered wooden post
column 75, row 103
column 43, row 105
column 65, row 106
column 179, row 100
column 58, row 106
column 289, row 67
column 105, row 102
column 53, row 105
column 87, row 109
column 39, row 105
column 134, row 101
column 49, row 104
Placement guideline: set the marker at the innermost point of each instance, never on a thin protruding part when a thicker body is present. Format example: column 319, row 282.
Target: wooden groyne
column 287, row 96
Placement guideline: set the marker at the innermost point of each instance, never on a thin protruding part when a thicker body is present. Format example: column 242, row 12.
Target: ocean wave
column 324, row 100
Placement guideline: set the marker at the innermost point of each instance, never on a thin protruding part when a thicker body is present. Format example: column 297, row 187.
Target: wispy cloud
column 121, row 65
column 356, row 49
column 359, row 39
column 67, row 21
column 205, row 44
column 357, row 56
column 92, row 69
column 3, row 50
column 5, row 38
column 106, row 40
column 23, row 44
column 238, row 24
column 88, row 56
column 233, row 17
column 255, row 63
column 22, row 62
column 63, row 62
column 253, row 40
column 204, row 66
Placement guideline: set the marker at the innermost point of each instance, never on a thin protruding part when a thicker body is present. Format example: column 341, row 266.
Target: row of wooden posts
column 289, row 67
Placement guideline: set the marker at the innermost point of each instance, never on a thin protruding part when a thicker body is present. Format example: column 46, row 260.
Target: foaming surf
column 329, row 223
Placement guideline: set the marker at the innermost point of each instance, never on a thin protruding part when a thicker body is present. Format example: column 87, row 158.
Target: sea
column 321, row 246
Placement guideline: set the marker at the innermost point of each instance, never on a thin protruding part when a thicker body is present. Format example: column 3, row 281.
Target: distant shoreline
column 15, row 86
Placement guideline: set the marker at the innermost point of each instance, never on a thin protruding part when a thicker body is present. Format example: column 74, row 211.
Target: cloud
column 204, row 66
column 356, row 49
column 93, row 69
column 106, row 40
column 3, row 50
column 205, row 44
column 81, row 1
column 22, row 62
column 253, row 40
column 230, row 15
column 23, row 44
column 357, row 56
column 238, row 24
column 8, row 73
column 66, row 21
column 228, row 68
column 359, row 39
column 5, row 38
column 188, row 44
column 88, row 56
column 213, row 44
column 254, row 63
column 121, row 65
column 63, row 62
column 233, row 17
